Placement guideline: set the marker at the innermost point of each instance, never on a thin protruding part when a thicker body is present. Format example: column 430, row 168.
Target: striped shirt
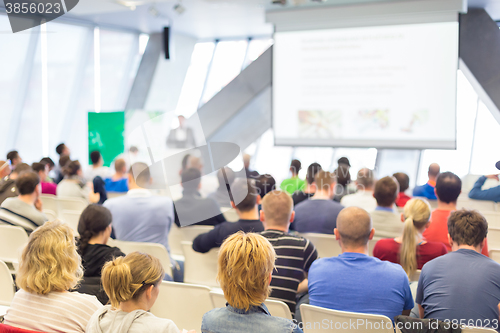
column 294, row 256
column 16, row 212
column 67, row 312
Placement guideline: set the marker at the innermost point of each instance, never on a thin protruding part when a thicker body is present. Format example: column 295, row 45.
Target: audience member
column 343, row 180
column 119, row 181
column 221, row 195
column 192, row 208
column 94, row 228
column 448, row 188
column 4, row 170
column 404, row 183
column 8, row 187
column 319, row 213
column 50, row 166
column 49, row 267
column 411, row 250
column 14, row 159
column 245, row 267
column 491, row 194
column 63, row 151
column 385, row 221
column 462, row 286
column 208, row 183
column 265, row 183
column 294, row 254
column 132, row 284
column 140, row 216
column 24, row 210
column 310, row 189
column 97, row 168
column 363, row 198
column 42, row 170
column 427, row 190
column 294, row 183
column 246, row 164
column 354, row 281
column 72, row 185
column 247, row 209
column 184, row 162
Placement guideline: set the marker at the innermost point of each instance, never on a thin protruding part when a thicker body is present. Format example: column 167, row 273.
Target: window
column 255, row 49
column 308, row 155
column 396, row 160
column 272, row 159
column 192, row 87
column 358, row 157
column 226, row 65
column 458, row 160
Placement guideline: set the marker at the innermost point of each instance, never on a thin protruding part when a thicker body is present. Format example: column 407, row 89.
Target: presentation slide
column 382, row 87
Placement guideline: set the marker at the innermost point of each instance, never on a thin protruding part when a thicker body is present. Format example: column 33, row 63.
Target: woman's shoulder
column 155, row 324
column 89, row 300
column 434, row 247
column 387, row 243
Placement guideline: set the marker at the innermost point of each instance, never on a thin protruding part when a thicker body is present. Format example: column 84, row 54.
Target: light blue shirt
column 256, row 319
column 356, row 282
column 140, row 216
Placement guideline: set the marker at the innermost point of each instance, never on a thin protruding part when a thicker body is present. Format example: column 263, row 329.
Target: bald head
column 354, row 226
column 277, row 207
column 434, row 170
column 365, row 178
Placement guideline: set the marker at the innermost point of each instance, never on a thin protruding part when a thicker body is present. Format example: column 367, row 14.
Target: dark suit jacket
column 193, row 209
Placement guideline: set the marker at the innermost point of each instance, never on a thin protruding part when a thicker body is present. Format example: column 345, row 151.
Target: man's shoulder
column 10, row 202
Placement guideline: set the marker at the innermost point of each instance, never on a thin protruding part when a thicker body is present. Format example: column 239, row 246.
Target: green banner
column 106, row 130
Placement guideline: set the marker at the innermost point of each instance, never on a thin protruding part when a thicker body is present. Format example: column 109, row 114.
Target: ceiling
column 208, row 19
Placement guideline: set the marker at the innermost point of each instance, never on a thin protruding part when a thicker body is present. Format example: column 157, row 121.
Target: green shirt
column 293, row 184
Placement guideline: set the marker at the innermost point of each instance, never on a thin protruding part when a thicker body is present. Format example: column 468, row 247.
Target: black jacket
column 193, row 209
column 214, row 238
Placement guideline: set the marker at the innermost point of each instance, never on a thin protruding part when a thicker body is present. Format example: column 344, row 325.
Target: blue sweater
column 492, row 194
column 426, row 191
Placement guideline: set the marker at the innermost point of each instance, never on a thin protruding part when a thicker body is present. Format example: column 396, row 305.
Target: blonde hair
column 277, row 207
column 126, row 278
column 245, row 263
column 416, row 213
column 120, row 164
column 49, row 261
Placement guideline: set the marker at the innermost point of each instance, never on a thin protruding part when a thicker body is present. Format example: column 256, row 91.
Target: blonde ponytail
column 417, row 213
column 126, row 278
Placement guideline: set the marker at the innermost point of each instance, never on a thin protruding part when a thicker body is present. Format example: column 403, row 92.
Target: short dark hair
column 37, row 167
column 239, row 190
column 185, row 161
column 448, row 187
column 95, row 156
column 11, row 155
column 133, row 149
column 60, row 148
column 312, row 170
column 49, row 161
column 386, row 191
column 140, row 172
column 26, row 182
column 190, row 179
column 403, row 180
column 94, row 219
column 64, row 160
column 265, row 183
column 296, row 166
column 343, row 174
column 21, row 167
column 467, row 227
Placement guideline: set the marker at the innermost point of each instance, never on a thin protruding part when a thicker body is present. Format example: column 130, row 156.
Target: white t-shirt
column 102, row 171
column 52, row 313
column 362, row 199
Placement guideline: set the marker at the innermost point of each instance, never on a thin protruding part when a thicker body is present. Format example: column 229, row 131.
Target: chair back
column 229, row 214
column 478, row 330
column 326, row 245
column 415, row 276
column 183, row 303
column 495, row 255
column 12, row 241
column 175, row 238
column 7, row 288
column 480, row 205
column 341, row 321
column 276, row 308
column 51, row 215
column 493, row 238
column 371, row 245
column 200, row 268
column 493, row 218
column 71, row 217
column 72, row 203
column 189, row 233
column 50, row 202
column 156, row 250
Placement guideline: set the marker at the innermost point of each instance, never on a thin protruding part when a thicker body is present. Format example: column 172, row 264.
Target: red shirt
column 48, row 188
column 438, row 229
column 388, row 249
column 402, row 199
